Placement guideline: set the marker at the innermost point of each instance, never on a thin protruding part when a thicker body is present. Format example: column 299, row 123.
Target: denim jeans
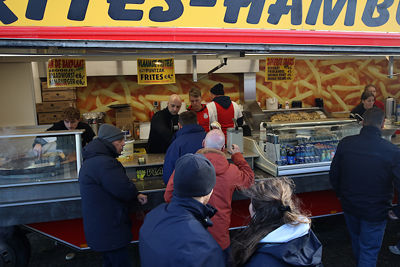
column 366, row 239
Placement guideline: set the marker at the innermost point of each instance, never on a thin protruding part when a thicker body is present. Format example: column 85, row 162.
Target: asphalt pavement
column 331, row 231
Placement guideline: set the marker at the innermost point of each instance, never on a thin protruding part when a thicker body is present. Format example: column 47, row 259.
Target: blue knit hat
column 194, row 176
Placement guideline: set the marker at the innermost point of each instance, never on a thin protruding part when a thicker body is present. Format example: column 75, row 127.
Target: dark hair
column 366, row 94
column 194, row 92
column 373, row 117
column 188, row 117
column 368, row 86
column 71, row 113
column 274, row 205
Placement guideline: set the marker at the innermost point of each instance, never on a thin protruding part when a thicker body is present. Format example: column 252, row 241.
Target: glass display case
column 57, row 158
column 296, row 141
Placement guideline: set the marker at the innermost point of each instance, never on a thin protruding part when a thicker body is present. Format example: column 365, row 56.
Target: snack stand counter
column 42, row 193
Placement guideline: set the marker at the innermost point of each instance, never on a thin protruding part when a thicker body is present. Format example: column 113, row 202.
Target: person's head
column 214, row 139
column 272, row 205
column 374, row 117
column 367, row 99
column 113, row 135
column 174, row 104
column 71, row 117
column 370, row 88
column 195, row 98
column 194, row 177
column 217, row 90
column 186, row 118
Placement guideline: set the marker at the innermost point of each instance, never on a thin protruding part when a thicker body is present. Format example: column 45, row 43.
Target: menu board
column 155, row 70
column 66, row 72
column 279, row 69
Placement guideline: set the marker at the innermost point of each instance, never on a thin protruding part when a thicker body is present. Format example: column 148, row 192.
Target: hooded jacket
column 188, row 139
column 106, row 193
column 288, row 245
column 363, row 172
column 161, row 131
column 175, row 234
column 229, row 177
column 223, row 110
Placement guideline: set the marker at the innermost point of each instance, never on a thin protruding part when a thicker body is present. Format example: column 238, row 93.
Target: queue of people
column 192, row 227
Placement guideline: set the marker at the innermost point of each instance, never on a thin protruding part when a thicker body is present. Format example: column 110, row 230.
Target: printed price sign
column 66, row 72
column 155, row 70
column 279, row 69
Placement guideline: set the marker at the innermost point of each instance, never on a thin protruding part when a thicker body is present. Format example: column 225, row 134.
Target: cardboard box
column 123, row 116
column 49, row 117
column 54, row 106
column 59, row 95
column 45, row 88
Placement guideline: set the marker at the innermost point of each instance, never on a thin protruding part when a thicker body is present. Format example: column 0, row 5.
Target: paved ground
column 330, row 230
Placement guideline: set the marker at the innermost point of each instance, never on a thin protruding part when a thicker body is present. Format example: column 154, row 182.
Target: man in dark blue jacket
column 362, row 173
column 175, row 234
column 188, row 139
column 106, row 193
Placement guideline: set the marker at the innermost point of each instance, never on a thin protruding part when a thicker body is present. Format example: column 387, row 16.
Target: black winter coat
column 162, row 131
column 175, row 234
column 106, row 194
column 302, row 251
column 362, row 173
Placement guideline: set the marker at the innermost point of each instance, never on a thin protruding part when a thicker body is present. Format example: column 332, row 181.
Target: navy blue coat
column 106, row 193
column 362, row 174
column 302, row 251
column 189, row 139
column 175, row 234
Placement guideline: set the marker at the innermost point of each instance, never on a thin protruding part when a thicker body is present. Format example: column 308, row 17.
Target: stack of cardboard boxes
column 54, row 101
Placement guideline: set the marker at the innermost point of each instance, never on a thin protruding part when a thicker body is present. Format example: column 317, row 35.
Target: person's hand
column 142, row 199
column 234, row 149
column 37, row 149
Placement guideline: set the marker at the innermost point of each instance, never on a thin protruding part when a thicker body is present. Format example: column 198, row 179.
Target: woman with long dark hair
column 279, row 233
column 367, row 102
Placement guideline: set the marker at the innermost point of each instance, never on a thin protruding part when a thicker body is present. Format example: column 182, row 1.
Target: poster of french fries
column 339, row 83
column 102, row 92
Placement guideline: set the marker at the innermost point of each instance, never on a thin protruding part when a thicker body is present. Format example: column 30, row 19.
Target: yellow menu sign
column 66, row 72
column 279, row 69
column 155, row 70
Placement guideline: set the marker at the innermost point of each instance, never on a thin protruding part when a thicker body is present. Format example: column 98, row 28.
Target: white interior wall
column 17, row 100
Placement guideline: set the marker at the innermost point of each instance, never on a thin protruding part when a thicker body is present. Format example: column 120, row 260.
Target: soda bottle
column 291, row 156
column 283, row 155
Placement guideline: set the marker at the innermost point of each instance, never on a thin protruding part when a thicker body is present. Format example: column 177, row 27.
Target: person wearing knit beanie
column 110, row 133
column 218, row 89
column 194, row 176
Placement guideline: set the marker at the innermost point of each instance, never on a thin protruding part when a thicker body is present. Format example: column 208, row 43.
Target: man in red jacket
column 229, row 177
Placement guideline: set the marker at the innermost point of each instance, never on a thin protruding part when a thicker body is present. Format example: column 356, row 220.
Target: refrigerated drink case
column 297, row 140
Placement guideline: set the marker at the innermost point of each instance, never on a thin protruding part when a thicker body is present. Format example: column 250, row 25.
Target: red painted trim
column 202, row 35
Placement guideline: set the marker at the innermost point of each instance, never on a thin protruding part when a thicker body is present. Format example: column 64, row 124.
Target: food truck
column 311, row 57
